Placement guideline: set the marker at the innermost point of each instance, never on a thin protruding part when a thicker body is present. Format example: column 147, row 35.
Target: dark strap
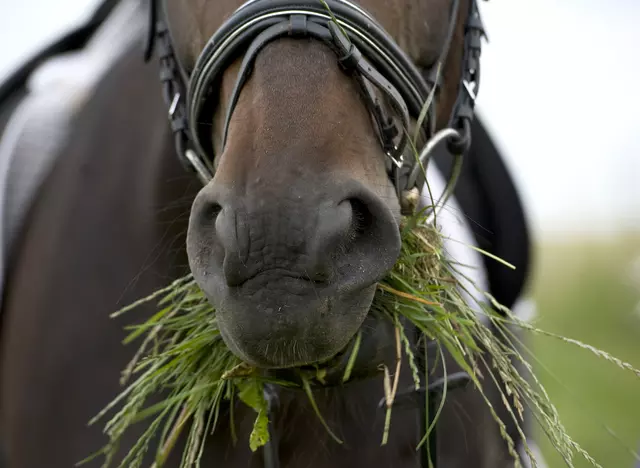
column 351, row 60
column 270, row 449
column 463, row 109
column 387, row 69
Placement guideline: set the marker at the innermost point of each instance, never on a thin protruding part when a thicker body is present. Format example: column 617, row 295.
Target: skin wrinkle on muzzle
column 277, row 301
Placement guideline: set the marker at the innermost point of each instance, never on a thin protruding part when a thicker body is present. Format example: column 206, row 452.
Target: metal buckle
column 470, row 90
column 398, row 162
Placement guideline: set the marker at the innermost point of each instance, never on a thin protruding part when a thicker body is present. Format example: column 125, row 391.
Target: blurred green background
column 589, row 289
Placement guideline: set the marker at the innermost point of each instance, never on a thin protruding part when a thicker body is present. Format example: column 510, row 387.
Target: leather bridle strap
column 463, row 109
column 351, row 60
column 458, row 132
column 386, row 72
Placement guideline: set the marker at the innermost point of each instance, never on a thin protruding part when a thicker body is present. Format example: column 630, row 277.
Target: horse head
column 302, row 122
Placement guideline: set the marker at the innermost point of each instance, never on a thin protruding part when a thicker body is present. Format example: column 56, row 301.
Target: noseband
column 393, row 89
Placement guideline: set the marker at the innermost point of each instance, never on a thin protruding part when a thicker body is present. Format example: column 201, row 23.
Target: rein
column 393, row 89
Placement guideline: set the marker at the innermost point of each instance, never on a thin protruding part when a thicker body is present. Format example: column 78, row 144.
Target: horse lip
column 334, row 363
column 282, row 273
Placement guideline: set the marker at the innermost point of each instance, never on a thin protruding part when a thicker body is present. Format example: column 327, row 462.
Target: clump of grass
column 183, row 358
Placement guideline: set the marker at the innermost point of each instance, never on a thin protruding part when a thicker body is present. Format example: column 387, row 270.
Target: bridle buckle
column 174, row 105
column 398, row 162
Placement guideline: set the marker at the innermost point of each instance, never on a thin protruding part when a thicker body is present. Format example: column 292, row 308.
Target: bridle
column 393, row 89
column 387, row 78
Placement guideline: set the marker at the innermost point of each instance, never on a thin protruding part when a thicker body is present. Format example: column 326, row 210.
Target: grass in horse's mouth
column 183, row 357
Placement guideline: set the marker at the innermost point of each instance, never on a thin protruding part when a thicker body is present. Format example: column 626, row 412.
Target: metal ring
column 204, row 174
column 423, row 161
column 427, row 153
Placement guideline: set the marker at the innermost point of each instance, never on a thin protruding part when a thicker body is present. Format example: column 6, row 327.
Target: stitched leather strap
column 386, row 69
column 352, row 61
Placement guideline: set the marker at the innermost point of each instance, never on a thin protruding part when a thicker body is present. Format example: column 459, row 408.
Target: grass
column 182, row 354
column 583, row 291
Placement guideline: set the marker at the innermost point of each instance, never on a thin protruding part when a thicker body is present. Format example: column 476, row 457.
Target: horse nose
column 299, row 238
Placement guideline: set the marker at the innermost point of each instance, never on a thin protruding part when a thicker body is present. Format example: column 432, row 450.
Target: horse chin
column 287, row 322
column 362, row 357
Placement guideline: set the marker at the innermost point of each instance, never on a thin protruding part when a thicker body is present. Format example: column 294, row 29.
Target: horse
column 287, row 227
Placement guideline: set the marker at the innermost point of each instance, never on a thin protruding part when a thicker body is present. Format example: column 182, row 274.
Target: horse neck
column 352, row 413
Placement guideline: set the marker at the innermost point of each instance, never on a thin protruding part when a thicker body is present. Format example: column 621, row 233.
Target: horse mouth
column 326, row 370
column 281, row 278
column 281, row 316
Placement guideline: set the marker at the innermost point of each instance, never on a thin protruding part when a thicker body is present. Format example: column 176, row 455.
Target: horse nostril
column 348, row 240
column 210, row 213
column 338, row 231
column 362, row 219
column 205, row 210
